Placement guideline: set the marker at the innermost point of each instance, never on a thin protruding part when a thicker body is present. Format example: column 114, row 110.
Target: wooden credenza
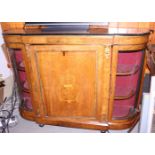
column 88, row 80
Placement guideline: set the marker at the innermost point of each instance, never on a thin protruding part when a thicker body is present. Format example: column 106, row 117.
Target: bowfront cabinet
column 83, row 81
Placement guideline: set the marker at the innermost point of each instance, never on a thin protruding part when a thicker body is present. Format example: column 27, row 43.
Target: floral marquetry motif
column 68, row 91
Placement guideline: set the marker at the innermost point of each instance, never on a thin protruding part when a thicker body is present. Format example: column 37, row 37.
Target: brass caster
column 41, row 125
column 104, row 131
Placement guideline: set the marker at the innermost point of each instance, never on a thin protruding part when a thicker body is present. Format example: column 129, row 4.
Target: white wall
column 3, row 63
column 7, row 74
column 147, row 111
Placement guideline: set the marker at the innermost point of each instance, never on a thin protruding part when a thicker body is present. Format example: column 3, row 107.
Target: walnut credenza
column 85, row 81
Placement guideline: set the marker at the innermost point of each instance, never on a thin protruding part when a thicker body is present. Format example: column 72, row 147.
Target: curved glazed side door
column 70, row 81
column 126, row 81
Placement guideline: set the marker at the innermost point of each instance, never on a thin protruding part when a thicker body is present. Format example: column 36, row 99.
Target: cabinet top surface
column 74, row 29
column 112, row 31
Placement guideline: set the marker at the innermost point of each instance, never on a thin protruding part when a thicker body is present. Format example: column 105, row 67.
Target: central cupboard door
column 68, row 80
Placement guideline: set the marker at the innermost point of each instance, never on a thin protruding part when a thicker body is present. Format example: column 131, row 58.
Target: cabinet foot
column 104, row 131
column 41, row 125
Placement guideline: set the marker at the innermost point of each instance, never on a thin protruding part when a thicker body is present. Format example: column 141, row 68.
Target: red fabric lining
column 126, row 84
column 19, row 59
column 27, row 100
column 23, row 80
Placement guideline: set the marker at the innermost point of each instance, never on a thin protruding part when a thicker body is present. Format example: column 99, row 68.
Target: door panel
column 127, row 66
column 67, row 77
